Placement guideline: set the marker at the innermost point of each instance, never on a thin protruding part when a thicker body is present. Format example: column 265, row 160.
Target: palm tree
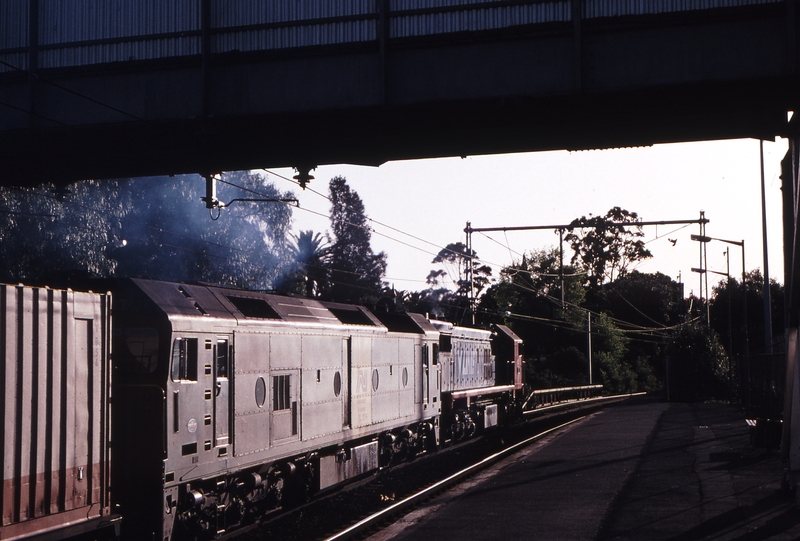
column 311, row 252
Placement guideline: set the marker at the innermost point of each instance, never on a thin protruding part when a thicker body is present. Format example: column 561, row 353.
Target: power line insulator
column 303, row 175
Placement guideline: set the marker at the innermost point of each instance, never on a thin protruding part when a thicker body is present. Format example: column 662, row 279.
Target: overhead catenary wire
column 582, row 309
column 632, row 329
column 559, row 323
column 373, row 230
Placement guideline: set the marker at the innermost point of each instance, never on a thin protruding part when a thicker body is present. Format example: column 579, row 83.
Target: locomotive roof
column 179, row 300
column 461, row 332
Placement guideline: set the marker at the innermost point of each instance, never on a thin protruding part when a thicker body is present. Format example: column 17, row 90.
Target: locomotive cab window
column 223, row 359
column 136, row 349
column 184, row 359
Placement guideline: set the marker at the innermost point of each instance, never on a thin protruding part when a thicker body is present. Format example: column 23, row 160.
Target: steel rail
column 440, row 485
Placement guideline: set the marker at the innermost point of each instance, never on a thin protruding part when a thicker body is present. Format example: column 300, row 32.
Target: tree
column 609, row 351
column 169, row 236
column 727, row 302
column 650, row 305
column 311, row 252
column 527, row 297
column 147, row 227
column 356, row 271
column 47, row 234
column 646, row 299
column 698, row 366
column 456, row 257
column 445, row 303
column 605, row 245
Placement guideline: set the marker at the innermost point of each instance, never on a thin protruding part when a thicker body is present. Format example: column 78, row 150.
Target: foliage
column 527, row 297
column 609, row 348
column 698, row 365
column 646, row 299
column 311, row 254
column 149, row 227
column 356, row 272
column 440, row 301
column 456, row 257
column 605, row 245
column 727, row 304
column 46, row 234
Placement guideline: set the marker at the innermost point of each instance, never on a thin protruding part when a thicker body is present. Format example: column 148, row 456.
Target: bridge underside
column 372, row 136
column 627, row 81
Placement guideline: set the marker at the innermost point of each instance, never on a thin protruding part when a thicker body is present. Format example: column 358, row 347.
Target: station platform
column 643, row 469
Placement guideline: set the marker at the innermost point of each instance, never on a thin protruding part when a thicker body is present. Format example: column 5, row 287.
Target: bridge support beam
column 790, row 442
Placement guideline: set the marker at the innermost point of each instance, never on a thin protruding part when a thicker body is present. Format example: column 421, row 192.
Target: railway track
column 364, row 507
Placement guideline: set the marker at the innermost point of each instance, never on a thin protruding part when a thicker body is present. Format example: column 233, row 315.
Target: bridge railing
column 44, row 34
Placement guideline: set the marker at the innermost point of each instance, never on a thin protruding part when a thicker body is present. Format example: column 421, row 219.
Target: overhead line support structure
column 469, row 230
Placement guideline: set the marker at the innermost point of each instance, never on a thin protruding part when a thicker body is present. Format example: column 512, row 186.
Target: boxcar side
column 56, row 384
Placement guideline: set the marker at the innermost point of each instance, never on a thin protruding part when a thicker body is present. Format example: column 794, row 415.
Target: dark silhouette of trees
column 697, row 364
column 455, row 258
column 311, row 253
column 171, row 237
column 606, row 245
column 445, row 303
column 47, row 234
column 727, row 301
column 356, row 272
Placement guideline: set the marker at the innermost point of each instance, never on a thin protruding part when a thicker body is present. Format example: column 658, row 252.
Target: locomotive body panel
column 466, row 358
column 304, row 374
column 321, row 397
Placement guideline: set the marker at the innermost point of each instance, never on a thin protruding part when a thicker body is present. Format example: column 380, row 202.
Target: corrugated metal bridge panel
column 618, row 8
column 88, row 32
column 103, row 31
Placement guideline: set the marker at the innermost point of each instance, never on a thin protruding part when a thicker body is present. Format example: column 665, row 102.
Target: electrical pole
column 589, row 344
column 767, row 300
column 470, row 271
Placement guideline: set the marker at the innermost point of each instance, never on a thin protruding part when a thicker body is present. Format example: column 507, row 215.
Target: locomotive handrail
column 482, row 391
column 562, row 389
column 584, row 391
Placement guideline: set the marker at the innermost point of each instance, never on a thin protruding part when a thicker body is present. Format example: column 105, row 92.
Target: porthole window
column 261, row 392
column 375, row 380
column 337, row 384
column 405, row 377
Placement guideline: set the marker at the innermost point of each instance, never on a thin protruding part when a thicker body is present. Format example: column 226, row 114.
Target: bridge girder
column 626, row 81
